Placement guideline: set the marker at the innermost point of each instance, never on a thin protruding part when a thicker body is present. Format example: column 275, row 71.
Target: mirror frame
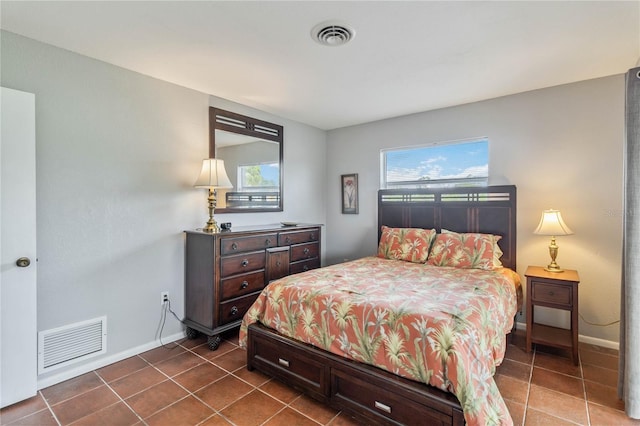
column 232, row 122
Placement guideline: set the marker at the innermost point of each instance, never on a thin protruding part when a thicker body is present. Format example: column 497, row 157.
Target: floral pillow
column 409, row 244
column 466, row 250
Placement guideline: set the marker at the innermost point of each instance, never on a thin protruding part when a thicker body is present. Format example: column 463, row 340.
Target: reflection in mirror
column 252, row 153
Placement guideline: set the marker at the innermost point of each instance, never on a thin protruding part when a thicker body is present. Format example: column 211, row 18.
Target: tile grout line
column 584, row 389
column 526, row 401
column 49, row 408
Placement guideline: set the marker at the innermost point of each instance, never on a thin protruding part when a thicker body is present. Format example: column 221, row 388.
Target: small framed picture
column 349, row 193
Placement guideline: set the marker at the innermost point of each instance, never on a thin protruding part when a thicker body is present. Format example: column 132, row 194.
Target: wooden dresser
column 225, row 272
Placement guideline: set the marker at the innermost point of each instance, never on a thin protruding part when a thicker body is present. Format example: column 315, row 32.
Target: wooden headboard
column 487, row 210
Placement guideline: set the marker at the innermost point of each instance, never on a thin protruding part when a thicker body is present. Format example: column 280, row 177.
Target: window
column 258, row 177
column 460, row 163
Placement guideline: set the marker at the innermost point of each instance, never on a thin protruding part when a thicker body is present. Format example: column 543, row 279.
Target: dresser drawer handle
column 234, row 246
column 244, row 285
column 283, row 362
column 551, row 293
column 287, row 240
column 268, row 242
column 278, row 263
column 234, row 311
column 306, row 250
column 312, row 236
column 305, row 268
column 245, row 262
column 383, row 407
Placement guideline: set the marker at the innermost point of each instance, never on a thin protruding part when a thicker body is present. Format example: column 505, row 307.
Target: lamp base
column 211, row 229
column 212, row 226
column 553, row 268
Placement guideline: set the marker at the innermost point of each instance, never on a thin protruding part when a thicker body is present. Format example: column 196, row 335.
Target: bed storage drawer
column 290, row 364
column 363, row 396
column 372, row 395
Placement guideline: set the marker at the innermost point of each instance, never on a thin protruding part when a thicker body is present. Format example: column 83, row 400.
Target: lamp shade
column 551, row 223
column 213, row 175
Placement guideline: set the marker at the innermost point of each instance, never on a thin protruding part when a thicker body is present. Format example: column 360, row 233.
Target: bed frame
column 369, row 393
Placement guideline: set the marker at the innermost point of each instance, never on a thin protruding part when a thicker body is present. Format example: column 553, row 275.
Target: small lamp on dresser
column 551, row 224
column 212, row 176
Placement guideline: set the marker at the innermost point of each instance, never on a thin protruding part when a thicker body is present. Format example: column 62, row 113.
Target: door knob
column 23, row 262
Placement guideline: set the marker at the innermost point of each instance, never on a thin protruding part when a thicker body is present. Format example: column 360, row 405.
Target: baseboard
column 582, row 338
column 103, row 362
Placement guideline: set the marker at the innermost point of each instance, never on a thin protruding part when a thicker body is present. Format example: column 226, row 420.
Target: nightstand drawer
column 551, row 293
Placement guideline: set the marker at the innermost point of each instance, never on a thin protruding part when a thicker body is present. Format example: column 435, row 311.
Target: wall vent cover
column 332, row 33
column 59, row 347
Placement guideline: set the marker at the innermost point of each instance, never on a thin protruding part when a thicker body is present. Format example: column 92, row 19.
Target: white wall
column 117, row 154
column 561, row 147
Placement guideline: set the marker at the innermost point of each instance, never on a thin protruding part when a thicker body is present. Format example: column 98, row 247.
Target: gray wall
column 117, row 155
column 118, row 152
column 562, row 148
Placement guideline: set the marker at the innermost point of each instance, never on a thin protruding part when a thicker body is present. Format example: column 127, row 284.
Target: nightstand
column 558, row 290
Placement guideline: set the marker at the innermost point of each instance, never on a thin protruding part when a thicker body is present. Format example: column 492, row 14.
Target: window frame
column 435, row 183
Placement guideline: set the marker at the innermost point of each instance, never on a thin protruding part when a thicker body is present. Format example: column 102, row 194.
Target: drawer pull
column 245, row 262
column 283, row 362
column 305, row 268
column 287, row 240
column 313, row 236
column 383, row 407
column 234, row 311
column 267, row 242
column 278, row 264
column 551, row 293
column 234, row 246
column 306, row 250
column 244, row 285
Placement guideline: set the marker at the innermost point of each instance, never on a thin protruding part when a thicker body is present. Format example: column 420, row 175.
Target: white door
column 18, row 326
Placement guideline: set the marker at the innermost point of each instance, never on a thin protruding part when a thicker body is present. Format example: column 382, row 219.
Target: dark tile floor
column 190, row 385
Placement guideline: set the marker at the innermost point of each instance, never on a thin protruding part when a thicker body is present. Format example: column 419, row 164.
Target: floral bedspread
column 438, row 325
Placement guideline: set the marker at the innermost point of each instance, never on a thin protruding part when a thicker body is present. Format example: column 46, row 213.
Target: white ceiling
column 406, row 57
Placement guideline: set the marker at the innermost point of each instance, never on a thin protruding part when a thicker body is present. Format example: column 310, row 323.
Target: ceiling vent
column 331, row 33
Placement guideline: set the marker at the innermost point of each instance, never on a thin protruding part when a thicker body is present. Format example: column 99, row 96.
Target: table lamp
column 551, row 223
column 212, row 176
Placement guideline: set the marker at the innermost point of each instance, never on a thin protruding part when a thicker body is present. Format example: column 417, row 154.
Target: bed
column 408, row 336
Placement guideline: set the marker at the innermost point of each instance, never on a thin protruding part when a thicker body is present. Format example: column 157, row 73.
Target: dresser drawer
column 291, row 365
column 392, row 405
column 304, row 265
column 551, row 293
column 241, row 284
column 297, row 237
column 242, row 263
column 243, row 244
column 304, row 251
column 234, row 309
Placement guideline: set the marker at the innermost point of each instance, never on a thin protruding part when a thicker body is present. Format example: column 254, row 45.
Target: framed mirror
column 252, row 153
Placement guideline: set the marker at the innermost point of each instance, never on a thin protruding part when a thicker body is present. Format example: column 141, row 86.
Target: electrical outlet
column 164, row 297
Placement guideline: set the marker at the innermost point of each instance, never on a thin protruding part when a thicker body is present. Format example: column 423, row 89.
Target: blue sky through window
column 437, row 162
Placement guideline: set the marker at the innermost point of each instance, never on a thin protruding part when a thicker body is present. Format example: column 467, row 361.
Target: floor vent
column 71, row 343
